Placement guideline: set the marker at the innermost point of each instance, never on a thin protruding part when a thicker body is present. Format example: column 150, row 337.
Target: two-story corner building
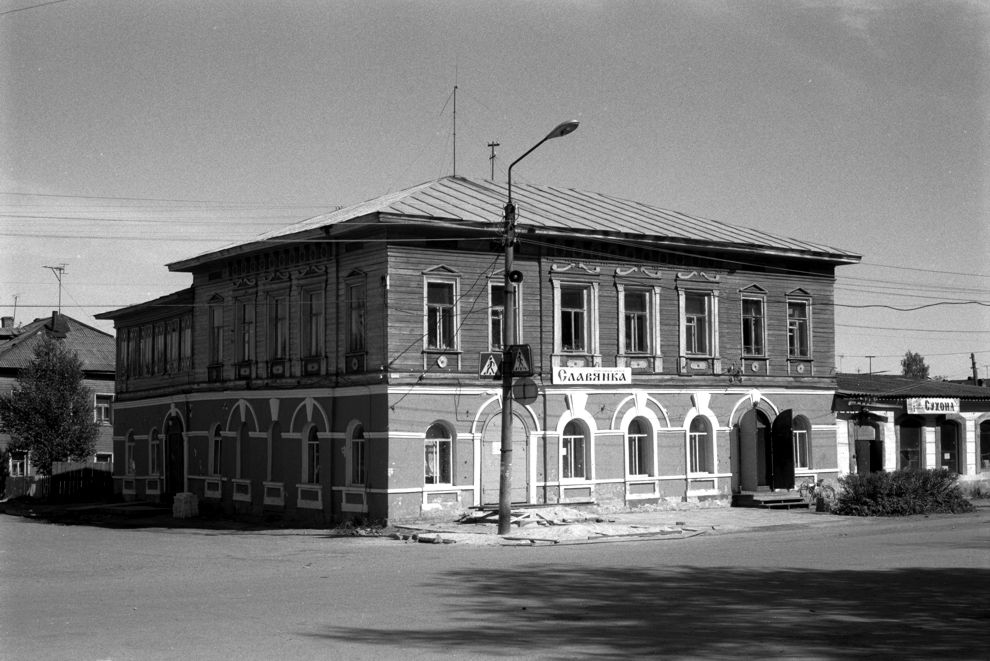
column 341, row 367
column 95, row 350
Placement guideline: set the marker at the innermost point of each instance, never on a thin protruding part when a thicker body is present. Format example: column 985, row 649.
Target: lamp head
column 563, row 129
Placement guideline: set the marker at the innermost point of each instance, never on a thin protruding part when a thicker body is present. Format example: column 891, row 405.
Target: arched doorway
column 951, row 455
column 755, row 465
column 175, row 462
column 491, row 461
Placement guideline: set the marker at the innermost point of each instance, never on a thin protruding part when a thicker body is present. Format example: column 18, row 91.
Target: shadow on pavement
column 706, row 613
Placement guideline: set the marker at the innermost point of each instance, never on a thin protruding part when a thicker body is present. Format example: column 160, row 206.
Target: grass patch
column 901, row 493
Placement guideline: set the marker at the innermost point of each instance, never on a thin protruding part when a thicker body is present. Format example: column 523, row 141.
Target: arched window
column 574, row 451
column 357, row 470
column 439, row 455
column 216, row 452
column 700, row 452
column 910, row 444
column 801, row 433
column 154, row 453
column 640, row 443
column 312, row 457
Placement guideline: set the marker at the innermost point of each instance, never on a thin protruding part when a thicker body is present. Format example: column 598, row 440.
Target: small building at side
column 342, row 367
column 896, row 422
column 95, row 350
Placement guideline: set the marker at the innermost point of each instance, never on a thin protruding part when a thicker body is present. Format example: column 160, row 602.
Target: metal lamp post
column 509, row 339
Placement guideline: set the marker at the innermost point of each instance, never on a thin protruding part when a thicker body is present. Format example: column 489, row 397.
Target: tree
column 49, row 413
column 913, row 364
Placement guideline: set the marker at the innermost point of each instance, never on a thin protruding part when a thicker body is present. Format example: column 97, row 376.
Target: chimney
column 6, row 322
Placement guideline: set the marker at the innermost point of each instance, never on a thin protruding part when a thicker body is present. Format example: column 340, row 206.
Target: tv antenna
column 492, row 145
column 59, row 271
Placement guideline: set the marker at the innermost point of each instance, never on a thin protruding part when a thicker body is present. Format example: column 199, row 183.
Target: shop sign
column 932, row 405
column 599, row 376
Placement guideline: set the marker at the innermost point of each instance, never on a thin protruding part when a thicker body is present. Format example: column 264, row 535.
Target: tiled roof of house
column 457, row 201
column 888, row 386
column 96, row 349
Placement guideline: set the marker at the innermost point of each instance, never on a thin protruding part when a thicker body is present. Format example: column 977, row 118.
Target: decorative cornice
column 561, row 268
column 710, row 277
column 645, row 270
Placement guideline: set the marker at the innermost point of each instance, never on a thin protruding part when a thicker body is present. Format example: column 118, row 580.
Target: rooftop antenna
column 58, row 271
column 492, row 145
column 16, row 296
column 455, row 127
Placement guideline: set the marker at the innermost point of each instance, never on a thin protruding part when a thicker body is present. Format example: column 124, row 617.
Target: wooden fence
column 69, row 482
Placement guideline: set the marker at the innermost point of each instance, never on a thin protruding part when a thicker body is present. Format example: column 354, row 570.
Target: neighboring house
column 339, row 367
column 893, row 422
column 95, row 350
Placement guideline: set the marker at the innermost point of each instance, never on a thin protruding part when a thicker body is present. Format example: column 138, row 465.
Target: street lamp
column 509, row 339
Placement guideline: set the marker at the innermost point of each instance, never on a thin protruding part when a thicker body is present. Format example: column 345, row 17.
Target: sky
column 134, row 134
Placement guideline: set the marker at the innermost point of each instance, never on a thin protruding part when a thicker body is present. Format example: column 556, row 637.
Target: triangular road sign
column 521, row 365
column 490, row 368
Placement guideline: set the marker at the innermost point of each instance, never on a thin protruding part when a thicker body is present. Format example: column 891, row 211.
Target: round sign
column 525, row 390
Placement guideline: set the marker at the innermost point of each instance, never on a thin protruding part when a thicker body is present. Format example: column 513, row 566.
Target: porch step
column 771, row 500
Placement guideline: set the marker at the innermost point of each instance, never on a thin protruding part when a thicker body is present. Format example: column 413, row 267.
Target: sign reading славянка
column 601, row 376
column 931, row 405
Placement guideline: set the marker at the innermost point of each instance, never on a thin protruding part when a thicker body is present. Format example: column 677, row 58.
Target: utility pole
column 58, row 271
column 492, row 145
column 976, row 372
column 871, row 365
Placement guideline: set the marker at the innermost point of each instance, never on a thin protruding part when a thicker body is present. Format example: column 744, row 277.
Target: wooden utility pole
column 492, row 145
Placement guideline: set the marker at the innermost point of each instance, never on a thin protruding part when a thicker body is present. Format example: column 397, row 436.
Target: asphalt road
column 856, row 588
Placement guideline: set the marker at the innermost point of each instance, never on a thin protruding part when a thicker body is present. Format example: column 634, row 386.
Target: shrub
column 901, row 493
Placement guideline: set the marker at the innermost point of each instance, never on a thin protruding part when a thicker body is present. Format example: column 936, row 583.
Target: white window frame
column 646, row 445
column 806, row 302
column 802, row 447
column 107, row 405
column 130, row 468
column 216, row 333
column 695, row 445
column 216, row 452
column 591, row 291
column 278, row 326
column 454, row 307
column 711, row 316
column 246, row 316
column 313, row 322
column 567, row 442
column 436, row 443
column 311, row 452
column 762, row 353
column 357, row 457
column 19, row 467
column 154, row 453
column 357, row 314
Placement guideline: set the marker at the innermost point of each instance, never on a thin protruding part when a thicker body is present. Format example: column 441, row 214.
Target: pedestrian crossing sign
column 491, row 365
column 522, row 360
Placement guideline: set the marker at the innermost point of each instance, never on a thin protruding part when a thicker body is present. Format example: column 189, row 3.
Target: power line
column 42, row 4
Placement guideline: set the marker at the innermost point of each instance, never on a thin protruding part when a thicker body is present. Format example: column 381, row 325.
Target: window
column 700, row 446
column 496, row 317
column 798, row 327
column 154, row 454
column 752, row 327
column 356, row 317
column 245, row 332
column 102, row 412
column 573, row 451
column 439, row 455
column 185, row 343
column 278, row 337
column 172, row 346
column 129, row 465
column 313, row 324
column 312, row 458
column 640, row 447
column 103, row 457
column 216, row 453
column 984, row 463
column 216, row 334
column 357, row 455
column 573, row 318
column 147, row 350
column 636, row 321
column 698, row 324
column 123, row 352
column 440, row 315
column 159, row 358
column 18, row 464
column 802, row 443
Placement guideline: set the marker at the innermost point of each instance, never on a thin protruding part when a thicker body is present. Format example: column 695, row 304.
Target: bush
column 901, row 493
